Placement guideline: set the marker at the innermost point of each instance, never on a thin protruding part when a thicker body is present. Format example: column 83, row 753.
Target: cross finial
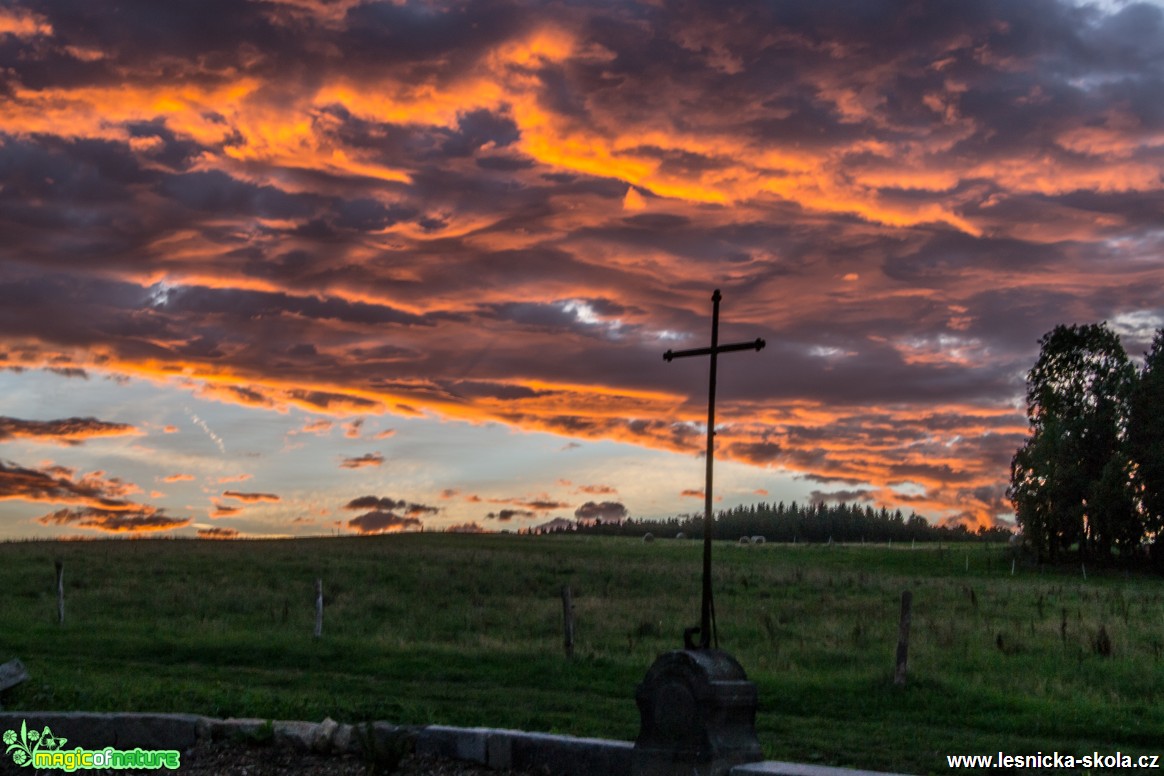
column 706, row 629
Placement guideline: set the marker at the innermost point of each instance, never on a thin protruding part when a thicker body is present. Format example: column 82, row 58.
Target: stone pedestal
column 698, row 713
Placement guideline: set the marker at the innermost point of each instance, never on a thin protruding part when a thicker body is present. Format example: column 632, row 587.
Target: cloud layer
column 503, row 211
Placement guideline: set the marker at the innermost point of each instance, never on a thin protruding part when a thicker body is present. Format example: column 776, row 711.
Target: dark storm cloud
column 505, row 515
column 118, row 521
column 840, row 496
column 243, row 305
column 222, row 38
column 506, row 211
column 96, row 501
column 250, row 497
column 400, row 143
column 67, row 431
column 606, row 511
column 427, row 40
column 216, row 192
column 362, row 461
column 387, row 504
column 382, row 522
column 60, row 485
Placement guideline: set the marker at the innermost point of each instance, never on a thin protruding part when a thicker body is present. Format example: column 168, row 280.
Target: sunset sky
column 328, row 266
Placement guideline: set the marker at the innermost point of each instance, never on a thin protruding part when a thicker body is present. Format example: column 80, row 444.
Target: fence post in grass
column 60, row 592
column 568, row 619
column 318, row 608
column 903, row 637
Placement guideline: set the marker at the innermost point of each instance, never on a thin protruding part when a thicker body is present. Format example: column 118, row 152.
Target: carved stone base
column 698, row 713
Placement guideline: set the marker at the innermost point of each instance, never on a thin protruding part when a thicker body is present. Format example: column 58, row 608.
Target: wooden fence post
column 903, row 637
column 568, row 619
column 318, row 608
column 60, row 592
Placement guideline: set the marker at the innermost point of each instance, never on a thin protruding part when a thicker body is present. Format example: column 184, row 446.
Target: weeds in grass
column 1101, row 642
column 263, row 735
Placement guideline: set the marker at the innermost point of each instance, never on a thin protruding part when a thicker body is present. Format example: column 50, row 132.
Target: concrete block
column 323, row 735
column 499, row 749
column 382, row 741
column 300, row 735
column 456, row 743
column 344, row 741
column 569, row 756
column 237, row 727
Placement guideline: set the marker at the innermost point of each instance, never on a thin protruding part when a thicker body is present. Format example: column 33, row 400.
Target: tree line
column 816, row 522
column 1089, row 480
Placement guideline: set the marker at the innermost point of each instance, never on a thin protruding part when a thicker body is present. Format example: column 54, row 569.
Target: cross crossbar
column 706, row 629
column 758, row 344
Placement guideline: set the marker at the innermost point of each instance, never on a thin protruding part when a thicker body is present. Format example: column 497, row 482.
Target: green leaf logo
column 22, row 747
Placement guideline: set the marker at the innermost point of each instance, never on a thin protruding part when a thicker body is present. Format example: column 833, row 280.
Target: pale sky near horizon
column 331, row 266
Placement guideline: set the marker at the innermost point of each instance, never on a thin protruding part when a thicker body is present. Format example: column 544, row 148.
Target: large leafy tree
column 1069, row 480
column 1146, row 436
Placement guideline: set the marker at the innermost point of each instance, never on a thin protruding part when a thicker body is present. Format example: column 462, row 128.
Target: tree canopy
column 1085, row 477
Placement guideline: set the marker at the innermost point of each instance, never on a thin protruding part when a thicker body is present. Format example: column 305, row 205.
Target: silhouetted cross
column 707, row 609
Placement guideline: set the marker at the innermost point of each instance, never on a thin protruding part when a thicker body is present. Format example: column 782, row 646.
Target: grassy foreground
column 467, row 630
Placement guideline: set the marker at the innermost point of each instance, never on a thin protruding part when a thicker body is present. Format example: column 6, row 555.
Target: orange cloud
column 597, row 490
column 250, row 498
column 362, row 461
column 377, row 522
column 542, row 503
column 70, row 431
column 318, row 426
column 510, row 231
column 23, row 24
column 114, row 521
column 57, row 485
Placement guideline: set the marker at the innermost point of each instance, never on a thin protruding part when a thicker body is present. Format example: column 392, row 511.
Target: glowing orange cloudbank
column 503, row 213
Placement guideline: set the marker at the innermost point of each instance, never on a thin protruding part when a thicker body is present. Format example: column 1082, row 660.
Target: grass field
column 467, row 630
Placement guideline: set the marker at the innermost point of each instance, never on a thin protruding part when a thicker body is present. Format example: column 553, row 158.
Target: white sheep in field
column 758, row 540
column 648, row 537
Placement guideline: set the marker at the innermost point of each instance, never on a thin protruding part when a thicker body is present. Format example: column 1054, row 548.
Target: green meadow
column 467, row 630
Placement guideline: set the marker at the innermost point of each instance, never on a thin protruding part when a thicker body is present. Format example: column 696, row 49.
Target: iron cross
column 706, row 627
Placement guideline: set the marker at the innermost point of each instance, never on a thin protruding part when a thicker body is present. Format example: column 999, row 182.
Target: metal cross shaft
column 707, row 608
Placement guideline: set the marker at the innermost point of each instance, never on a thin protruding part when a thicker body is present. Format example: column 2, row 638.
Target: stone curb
column 564, row 755
column 495, row 748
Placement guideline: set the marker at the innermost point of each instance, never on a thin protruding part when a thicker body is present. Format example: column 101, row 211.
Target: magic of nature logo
column 42, row 749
